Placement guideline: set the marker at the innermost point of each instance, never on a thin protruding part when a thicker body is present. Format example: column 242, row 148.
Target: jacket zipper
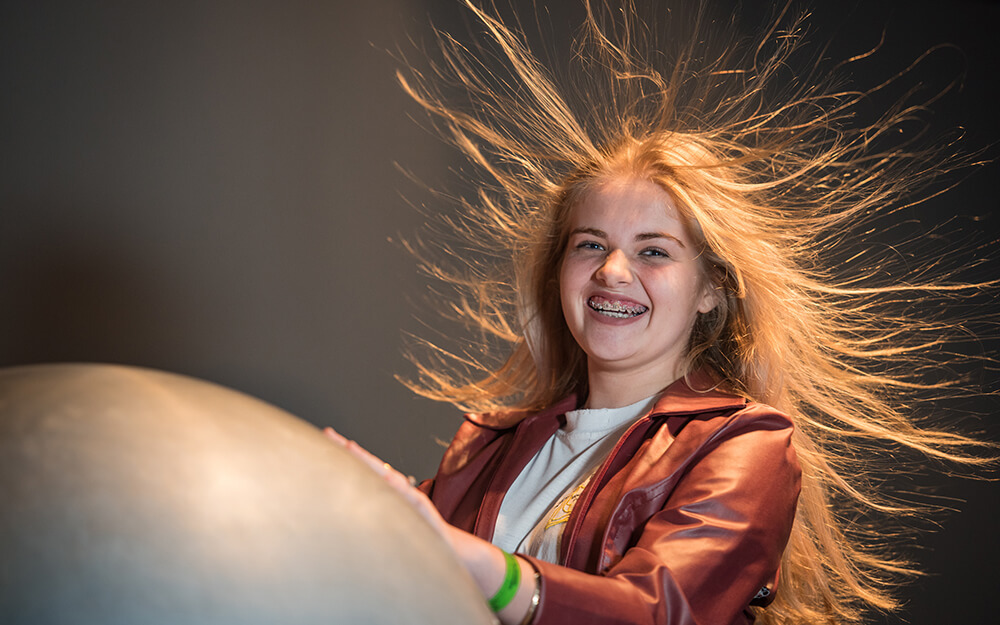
column 569, row 537
column 483, row 513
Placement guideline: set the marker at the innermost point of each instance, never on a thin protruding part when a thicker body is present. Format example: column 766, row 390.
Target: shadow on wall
column 77, row 298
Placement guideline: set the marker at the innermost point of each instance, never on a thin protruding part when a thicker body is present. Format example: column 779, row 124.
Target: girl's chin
column 626, row 356
column 613, row 344
column 613, row 360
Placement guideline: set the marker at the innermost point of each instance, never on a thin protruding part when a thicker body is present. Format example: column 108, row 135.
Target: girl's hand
column 482, row 560
column 402, row 484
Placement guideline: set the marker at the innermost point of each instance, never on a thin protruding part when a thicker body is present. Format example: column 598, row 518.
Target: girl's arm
column 485, row 562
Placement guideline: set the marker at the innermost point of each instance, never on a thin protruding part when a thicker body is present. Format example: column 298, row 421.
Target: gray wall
column 208, row 188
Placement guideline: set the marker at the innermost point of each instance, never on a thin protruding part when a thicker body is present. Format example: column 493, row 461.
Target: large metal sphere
column 133, row 496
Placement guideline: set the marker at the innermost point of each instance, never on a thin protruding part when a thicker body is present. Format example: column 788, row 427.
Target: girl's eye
column 589, row 245
column 654, row 252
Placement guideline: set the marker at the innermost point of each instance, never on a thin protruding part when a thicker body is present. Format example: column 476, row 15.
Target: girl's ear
column 711, row 295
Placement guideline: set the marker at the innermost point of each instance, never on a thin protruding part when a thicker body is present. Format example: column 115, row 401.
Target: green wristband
column 511, row 583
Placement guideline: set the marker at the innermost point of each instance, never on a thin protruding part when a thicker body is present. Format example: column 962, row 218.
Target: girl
column 681, row 431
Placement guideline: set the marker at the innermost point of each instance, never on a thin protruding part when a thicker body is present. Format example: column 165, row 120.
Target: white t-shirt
column 535, row 509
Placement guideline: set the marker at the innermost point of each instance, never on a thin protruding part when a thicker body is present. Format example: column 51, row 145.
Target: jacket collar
column 503, row 420
column 696, row 393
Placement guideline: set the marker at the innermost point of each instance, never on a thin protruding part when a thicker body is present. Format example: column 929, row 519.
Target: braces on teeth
column 617, row 309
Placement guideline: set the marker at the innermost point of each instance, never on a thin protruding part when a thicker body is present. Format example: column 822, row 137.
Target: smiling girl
column 631, row 286
column 688, row 391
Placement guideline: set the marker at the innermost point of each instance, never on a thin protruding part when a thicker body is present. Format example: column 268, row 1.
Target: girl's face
column 631, row 284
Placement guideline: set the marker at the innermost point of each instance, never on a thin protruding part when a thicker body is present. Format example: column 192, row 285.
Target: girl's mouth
column 615, row 308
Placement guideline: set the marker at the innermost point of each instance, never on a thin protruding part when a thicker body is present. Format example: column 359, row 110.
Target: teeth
column 614, row 308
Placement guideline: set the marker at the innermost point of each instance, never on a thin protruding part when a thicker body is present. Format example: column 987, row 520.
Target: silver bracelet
column 535, row 598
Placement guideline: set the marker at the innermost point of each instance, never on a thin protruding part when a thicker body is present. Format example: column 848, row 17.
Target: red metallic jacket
column 684, row 523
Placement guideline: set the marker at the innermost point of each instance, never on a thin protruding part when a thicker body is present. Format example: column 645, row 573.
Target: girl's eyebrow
column 644, row 236
column 594, row 231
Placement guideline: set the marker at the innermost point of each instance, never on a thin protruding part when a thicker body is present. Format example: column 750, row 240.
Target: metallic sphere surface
column 136, row 496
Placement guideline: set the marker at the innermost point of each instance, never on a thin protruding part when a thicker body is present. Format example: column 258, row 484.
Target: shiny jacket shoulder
column 684, row 522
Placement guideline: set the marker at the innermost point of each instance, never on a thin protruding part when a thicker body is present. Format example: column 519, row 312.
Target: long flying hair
column 772, row 171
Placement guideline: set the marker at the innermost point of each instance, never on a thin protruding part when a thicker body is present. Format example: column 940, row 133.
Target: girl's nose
column 615, row 269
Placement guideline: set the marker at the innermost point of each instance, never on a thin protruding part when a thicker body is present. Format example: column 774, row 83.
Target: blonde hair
column 770, row 175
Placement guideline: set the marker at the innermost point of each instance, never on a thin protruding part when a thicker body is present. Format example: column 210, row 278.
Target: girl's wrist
column 525, row 604
column 488, row 566
column 521, row 608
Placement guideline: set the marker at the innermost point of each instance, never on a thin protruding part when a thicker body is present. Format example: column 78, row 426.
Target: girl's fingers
column 373, row 461
column 400, row 483
column 360, row 452
column 334, row 436
column 384, row 469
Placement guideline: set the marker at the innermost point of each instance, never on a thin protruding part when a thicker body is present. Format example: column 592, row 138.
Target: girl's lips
column 615, row 308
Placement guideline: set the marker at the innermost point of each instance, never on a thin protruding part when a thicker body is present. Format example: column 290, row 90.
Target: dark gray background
column 208, row 188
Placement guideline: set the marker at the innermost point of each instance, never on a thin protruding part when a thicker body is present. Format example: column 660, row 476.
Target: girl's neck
column 615, row 389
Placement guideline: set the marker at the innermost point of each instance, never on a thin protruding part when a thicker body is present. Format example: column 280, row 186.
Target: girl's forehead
column 625, row 201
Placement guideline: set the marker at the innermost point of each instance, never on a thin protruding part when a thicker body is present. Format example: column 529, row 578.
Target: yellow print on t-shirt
column 560, row 514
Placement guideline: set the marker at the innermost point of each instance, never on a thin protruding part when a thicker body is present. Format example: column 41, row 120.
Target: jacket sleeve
column 701, row 559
